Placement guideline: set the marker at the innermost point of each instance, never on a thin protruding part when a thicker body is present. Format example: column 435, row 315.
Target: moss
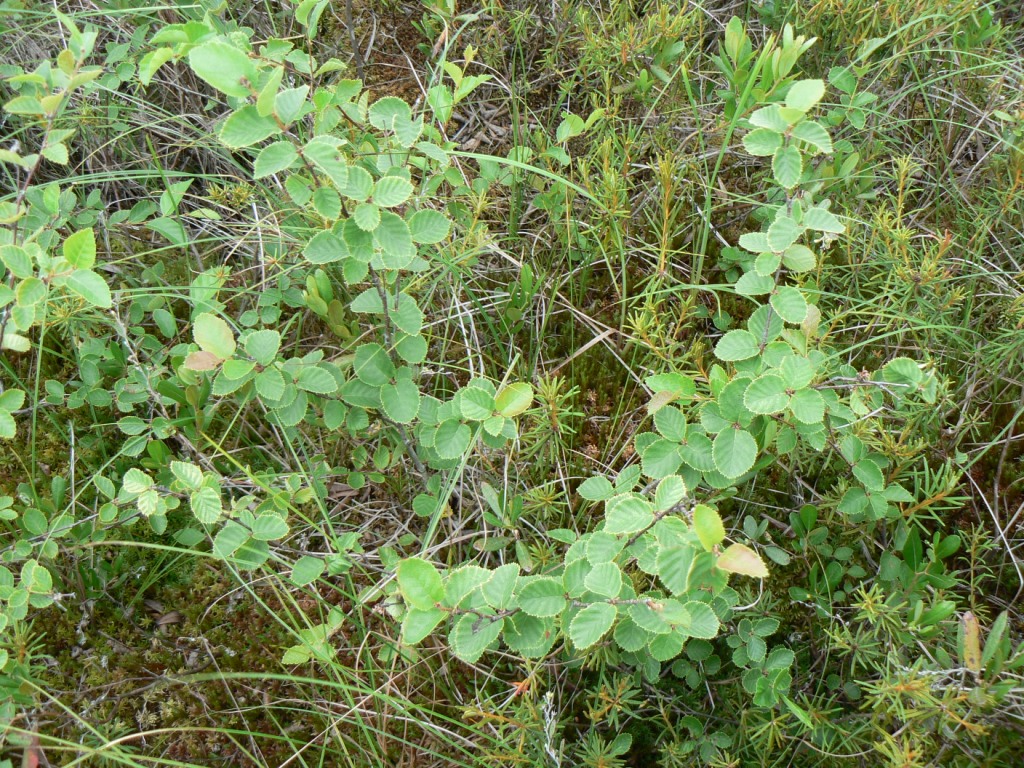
column 117, row 664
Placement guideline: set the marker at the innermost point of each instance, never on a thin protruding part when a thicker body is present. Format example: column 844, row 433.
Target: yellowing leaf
column 213, row 335
column 202, row 361
column 660, row 400
column 741, row 559
column 708, row 526
column 513, row 399
column 971, row 649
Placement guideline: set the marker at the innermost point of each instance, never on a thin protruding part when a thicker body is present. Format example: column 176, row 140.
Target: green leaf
column 428, row 226
column 406, row 314
column 734, row 451
column 411, row 348
column 805, row 94
column 80, row 249
column 671, row 490
column 798, row 372
column 269, row 91
column 497, row 425
column 325, row 248
column 246, row 127
column 843, row 78
column 372, row 365
column 187, row 474
column 462, row 588
column 472, row 635
column 420, row 583
column 419, row 623
column 263, row 346
column 17, row 260
column 316, row 380
column 269, row 527
column 91, row 287
column 767, row 263
column 274, row 158
column 366, row 216
column 391, row 191
column 703, row 623
column 334, row 414
column 172, row 229
column 206, row 504
column 807, row 406
column 597, row 488
column 737, row 345
column 135, row 481
column 604, row 579
column 361, row 247
column 11, row 400
column 823, row 220
column 358, row 184
column 368, row 302
column 55, row 153
column 498, row 589
column 306, row 570
column 789, row 303
column 754, row 284
column 668, row 388
column 603, row 547
column 224, row 67
column 324, row 153
column 708, row 526
column 814, row 134
column 787, row 166
column 870, row 474
column 591, row 624
column 152, row 506
column 783, row 232
column 289, row 103
column 152, row 61
column 765, row 324
column 513, row 399
column 35, row 523
column 854, row 501
column 799, row 258
column 187, row 537
column 327, row 203
column 755, row 242
column 166, row 322
column 401, row 401
column 213, row 335
column 528, row 636
column 628, row 513
column 903, row 370
column 670, row 423
column 542, row 596
column 395, row 241
column 8, row 427
column 475, row 403
column 742, row 560
column 661, row 458
column 452, row 439
column 674, row 565
column 270, row 384
column 386, row 112
column 30, row 291
column 770, row 117
column 995, row 638
column 230, row 538
column 762, row 142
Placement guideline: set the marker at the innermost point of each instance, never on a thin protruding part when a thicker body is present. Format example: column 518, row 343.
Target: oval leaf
column 741, row 559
